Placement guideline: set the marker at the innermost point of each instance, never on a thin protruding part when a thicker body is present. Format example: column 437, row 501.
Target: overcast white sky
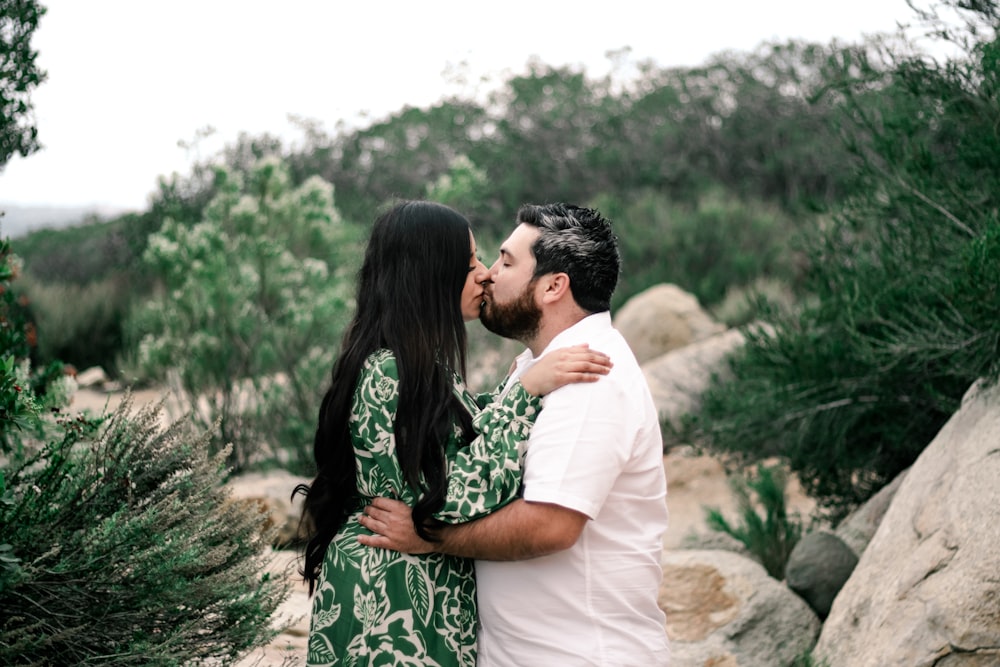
column 128, row 80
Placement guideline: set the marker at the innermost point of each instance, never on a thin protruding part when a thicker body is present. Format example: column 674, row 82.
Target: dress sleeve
column 486, row 474
column 372, row 418
column 484, row 399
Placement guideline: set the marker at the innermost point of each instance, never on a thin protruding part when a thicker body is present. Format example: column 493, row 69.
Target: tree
column 253, row 301
column 19, row 75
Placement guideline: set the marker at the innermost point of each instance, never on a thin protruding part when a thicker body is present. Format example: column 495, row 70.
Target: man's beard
column 519, row 319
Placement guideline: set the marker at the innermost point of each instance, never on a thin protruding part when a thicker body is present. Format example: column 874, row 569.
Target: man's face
column 509, row 307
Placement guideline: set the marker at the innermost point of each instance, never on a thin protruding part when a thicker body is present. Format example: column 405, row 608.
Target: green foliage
column 462, row 187
column 24, row 393
column 905, row 314
column 706, row 248
column 17, row 335
column 769, row 538
column 18, row 77
column 120, row 546
column 81, row 282
column 807, row 660
column 253, row 301
column 79, row 323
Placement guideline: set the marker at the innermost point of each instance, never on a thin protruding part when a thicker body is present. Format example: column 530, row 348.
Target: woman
column 398, row 421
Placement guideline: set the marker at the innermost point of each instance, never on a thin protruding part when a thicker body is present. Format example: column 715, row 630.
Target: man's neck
column 552, row 325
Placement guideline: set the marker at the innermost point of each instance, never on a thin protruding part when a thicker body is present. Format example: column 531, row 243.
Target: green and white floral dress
column 379, row 607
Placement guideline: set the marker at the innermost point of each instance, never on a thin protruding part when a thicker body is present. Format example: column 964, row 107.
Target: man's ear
column 555, row 287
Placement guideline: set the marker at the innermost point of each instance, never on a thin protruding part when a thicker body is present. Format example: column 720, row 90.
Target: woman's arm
column 486, row 475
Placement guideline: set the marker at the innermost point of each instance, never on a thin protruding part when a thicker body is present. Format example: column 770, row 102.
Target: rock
column 926, row 589
column 92, row 377
column 272, row 492
column 678, row 379
column 858, row 528
column 723, row 609
column 817, row 569
column 714, row 540
column 663, row 318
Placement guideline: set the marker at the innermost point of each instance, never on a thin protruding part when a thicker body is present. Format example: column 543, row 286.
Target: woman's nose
column 482, row 273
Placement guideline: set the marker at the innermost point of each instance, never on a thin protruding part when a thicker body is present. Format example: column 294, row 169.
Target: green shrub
column 119, row 546
column 769, row 538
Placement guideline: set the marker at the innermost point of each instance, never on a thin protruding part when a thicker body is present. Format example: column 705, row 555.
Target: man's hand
column 392, row 523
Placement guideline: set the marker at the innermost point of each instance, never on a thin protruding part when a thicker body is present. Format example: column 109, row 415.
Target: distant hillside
column 19, row 220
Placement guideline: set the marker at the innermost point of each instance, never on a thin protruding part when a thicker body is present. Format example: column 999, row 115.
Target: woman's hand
column 565, row 366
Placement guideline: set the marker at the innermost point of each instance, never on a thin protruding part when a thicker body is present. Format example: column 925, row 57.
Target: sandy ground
column 693, row 482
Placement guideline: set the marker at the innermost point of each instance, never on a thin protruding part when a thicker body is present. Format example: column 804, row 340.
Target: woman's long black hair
column 409, row 301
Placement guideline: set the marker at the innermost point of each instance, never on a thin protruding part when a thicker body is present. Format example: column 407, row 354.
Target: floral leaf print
column 345, row 554
column 419, row 585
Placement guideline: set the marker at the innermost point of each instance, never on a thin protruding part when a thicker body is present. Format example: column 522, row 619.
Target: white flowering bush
column 253, row 301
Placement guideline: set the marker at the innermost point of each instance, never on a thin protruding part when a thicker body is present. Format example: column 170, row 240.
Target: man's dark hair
column 579, row 242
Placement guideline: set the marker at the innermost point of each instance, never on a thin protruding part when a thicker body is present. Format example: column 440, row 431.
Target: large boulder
column 723, row 609
column 926, row 589
column 678, row 379
column 663, row 318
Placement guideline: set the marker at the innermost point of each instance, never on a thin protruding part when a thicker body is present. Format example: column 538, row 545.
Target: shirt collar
column 580, row 332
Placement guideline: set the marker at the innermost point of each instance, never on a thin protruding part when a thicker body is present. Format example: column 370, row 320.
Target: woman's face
column 472, row 293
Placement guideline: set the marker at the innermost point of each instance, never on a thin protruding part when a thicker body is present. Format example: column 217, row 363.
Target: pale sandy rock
column 699, row 481
column 663, row 318
column 926, row 589
column 858, row 528
column 678, row 379
column 724, row 609
column 92, row 377
column 272, row 490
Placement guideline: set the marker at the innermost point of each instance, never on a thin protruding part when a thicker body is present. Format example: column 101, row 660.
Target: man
column 567, row 574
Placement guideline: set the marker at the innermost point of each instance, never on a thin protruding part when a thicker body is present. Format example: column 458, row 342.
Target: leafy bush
column 119, row 546
column 769, row 538
column 253, row 301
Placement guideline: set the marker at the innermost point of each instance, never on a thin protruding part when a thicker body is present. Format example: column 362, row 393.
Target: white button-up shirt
column 595, row 448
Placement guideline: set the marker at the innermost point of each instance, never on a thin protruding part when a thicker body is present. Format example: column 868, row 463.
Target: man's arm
column 517, row 531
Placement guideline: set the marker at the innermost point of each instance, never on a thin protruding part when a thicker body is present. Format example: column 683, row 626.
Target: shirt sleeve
column 578, row 447
column 486, row 474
